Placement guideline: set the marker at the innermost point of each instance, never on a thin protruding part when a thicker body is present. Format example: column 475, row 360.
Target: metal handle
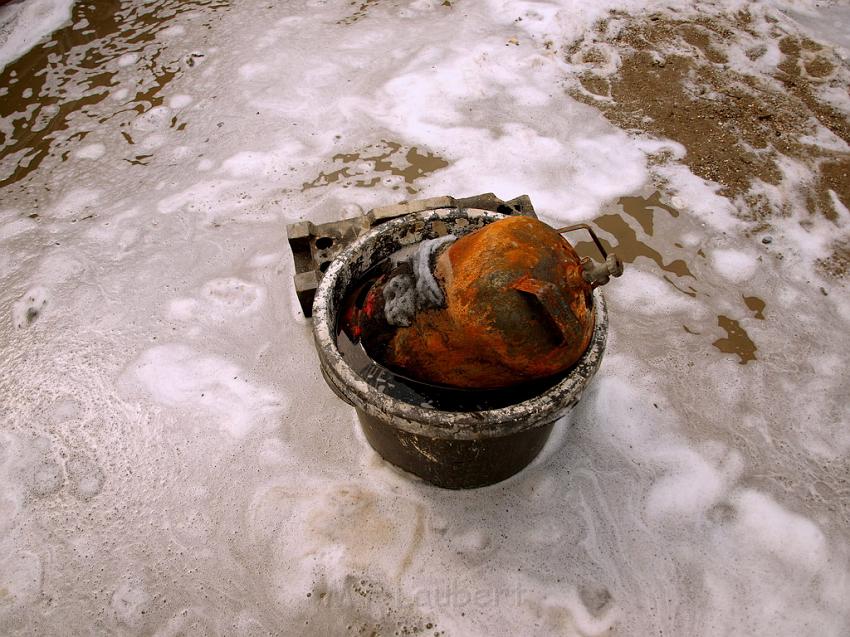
column 597, row 274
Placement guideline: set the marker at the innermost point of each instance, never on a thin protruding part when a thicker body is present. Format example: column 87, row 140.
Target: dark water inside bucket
column 426, row 395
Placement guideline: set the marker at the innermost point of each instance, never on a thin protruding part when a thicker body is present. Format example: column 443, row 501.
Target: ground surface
column 171, row 460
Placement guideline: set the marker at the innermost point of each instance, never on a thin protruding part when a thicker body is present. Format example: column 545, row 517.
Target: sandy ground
column 171, row 460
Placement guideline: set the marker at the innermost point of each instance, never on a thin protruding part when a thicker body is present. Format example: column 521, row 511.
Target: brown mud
column 756, row 305
column 674, row 82
column 367, row 167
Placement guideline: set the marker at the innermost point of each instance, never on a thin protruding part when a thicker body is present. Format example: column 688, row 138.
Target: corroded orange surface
column 517, row 309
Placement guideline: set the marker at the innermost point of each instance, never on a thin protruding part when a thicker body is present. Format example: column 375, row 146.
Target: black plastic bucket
column 452, row 449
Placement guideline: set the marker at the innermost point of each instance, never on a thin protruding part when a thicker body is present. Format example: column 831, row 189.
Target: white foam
column 29, row 308
column 178, row 376
column 172, row 31
column 261, row 164
column 179, row 101
column 648, row 294
column 91, row 151
column 75, row 202
column 691, row 485
column 166, row 427
column 252, row 70
column 130, row 602
column 220, row 299
column 400, row 300
column 128, row 59
column 16, row 227
column 736, row 265
column 824, row 22
column 200, row 197
column 153, row 119
column 25, row 24
column 20, row 578
column 572, row 160
column 338, row 526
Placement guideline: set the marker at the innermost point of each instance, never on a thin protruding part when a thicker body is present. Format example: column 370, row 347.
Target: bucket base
column 455, row 464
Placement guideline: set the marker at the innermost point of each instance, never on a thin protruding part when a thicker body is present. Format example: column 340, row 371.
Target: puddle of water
column 58, row 85
column 369, row 167
column 756, row 305
column 737, row 340
column 628, row 246
column 642, row 209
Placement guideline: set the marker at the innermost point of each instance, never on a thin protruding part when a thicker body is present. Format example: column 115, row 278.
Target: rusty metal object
column 449, row 448
column 516, row 307
column 314, row 246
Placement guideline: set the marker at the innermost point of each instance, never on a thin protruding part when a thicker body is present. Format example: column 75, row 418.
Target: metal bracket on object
column 597, row 274
column 314, row 246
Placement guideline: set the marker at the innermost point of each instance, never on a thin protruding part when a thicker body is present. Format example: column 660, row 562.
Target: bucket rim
column 538, row 410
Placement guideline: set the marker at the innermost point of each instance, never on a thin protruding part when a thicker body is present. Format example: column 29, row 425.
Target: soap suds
column 171, row 460
column 24, row 24
column 177, row 376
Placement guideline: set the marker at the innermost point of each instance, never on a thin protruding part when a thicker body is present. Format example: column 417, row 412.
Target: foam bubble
column 179, row 101
column 128, row 59
column 178, row 376
column 736, row 265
